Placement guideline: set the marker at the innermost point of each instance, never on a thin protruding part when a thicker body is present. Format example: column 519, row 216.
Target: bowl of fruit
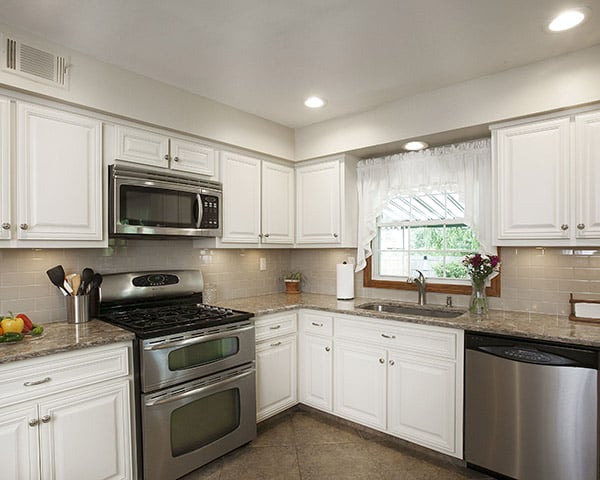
column 15, row 328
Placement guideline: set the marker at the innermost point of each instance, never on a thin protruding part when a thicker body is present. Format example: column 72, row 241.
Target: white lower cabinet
column 315, row 362
column 276, row 364
column 51, row 430
column 400, row 378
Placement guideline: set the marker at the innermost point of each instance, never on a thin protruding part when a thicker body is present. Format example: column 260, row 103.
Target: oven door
column 187, row 426
column 177, row 358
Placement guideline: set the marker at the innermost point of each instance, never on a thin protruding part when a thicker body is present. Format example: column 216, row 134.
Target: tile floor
column 305, row 445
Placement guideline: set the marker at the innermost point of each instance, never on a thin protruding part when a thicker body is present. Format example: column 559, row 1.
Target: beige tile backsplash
column 536, row 280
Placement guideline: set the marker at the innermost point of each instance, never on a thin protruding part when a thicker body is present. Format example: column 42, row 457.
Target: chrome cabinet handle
column 388, row 336
column 33, row 422
column 175, row 159
column 6, row 226
column 327, row 349
column 564, row 227
column 275, row 327
column 23, row 226
column 317, row 324
column 276, row 344
column 46, row 418
column 580, row 226
column 37, row 382
column 391, row 362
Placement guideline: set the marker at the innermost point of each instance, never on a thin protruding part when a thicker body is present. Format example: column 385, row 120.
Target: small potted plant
column 292, row 282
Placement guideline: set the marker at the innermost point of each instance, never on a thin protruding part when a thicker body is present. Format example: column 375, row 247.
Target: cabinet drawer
column 426, row 339
column 316, row 323
column 269, row 326
column 54, row 373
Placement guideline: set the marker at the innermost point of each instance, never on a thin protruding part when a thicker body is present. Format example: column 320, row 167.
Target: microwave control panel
column 210, row 212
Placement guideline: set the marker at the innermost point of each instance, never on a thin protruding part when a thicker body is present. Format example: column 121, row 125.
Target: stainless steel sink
column 402, row 309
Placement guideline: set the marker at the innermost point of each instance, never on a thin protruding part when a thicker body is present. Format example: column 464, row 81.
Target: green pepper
column 37, row 330
column 12, row 337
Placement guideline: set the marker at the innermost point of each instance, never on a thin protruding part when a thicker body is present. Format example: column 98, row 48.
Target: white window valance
column 463, row 167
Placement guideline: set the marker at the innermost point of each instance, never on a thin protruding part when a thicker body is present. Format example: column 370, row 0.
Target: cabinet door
column 587, row 160
column 275, row 376
column 192, row 157
column 316, row 369
column 277, row 203
column 422, row 400
column 86, row 434
column 318, row 203
column 59, row 175
column 5, row 215
column 360, row 383
column 19, row 455
column 142, row 146
column 532, row 177
column 241, row 198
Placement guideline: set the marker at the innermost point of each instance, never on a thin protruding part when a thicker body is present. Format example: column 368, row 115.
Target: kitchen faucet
column 421, row 286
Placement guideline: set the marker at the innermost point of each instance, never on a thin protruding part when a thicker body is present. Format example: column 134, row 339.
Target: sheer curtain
column 465, row 167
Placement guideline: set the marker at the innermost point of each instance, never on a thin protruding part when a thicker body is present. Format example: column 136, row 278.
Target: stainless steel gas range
column 195, row 372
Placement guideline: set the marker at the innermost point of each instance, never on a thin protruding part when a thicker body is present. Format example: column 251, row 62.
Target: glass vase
column 479, row 303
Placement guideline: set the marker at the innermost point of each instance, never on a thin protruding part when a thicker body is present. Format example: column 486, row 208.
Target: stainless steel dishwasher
column 531, row 409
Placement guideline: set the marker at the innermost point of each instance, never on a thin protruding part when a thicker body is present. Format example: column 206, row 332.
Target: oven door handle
column 199, row 339
column 195, row 391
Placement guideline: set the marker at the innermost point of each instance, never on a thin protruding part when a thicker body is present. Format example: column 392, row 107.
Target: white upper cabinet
column 240, row 175
column 5, row 179
column 587, row 161
column 277, row 203
column 165, row 151
column 326, row 198
column 258, row 203
column 532, row 176
column 546, row 175
column 142, row 146
column 59, row 175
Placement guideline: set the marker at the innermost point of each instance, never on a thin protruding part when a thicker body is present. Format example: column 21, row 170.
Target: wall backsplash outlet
column 536, row 280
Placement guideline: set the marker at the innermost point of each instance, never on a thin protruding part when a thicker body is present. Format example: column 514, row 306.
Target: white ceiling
column 266, row 56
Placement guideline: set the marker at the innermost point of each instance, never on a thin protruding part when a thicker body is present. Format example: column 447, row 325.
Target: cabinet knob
column 260, row 235
column 382, row 360
column 46, row 418
column 6, row 226
column 175, row 159
column 564, row 226
column 580, row 226
column 33, row 422
column 392, row 363
column 335, row 235
column 23, row 226
column 327, row 349
column 166, row 157
column 267, row 235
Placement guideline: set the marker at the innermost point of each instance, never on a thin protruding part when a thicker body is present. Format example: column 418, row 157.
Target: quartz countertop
column 63, row 337
column 537, row 326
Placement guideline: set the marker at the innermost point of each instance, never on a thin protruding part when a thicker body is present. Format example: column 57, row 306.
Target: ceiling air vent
column 34, row 63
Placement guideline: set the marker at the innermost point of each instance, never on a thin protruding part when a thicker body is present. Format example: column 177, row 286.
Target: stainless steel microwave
column 162, row 204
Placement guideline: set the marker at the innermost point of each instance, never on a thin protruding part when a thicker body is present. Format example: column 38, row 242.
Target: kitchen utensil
column 57, row 277
column 96, row 281
column 75, row 280
column 86, row 277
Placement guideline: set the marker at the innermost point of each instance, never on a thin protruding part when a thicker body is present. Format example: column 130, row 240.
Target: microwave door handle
column 198, row 210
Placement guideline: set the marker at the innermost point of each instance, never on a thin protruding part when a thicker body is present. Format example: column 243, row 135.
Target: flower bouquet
column 479, row 268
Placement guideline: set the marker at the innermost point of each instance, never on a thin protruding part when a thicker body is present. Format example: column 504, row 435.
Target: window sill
column 492, row 291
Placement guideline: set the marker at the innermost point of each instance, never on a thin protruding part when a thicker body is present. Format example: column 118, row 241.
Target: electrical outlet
column 262, row 264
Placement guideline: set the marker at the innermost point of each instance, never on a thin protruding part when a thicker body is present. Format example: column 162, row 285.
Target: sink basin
column 422, row 311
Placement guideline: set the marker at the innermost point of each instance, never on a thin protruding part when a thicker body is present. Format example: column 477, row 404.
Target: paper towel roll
column 345, row 281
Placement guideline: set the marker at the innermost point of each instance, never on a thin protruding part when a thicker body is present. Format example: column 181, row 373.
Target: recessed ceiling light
column 415, row 145
column 314, row 102
column 567, row 19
